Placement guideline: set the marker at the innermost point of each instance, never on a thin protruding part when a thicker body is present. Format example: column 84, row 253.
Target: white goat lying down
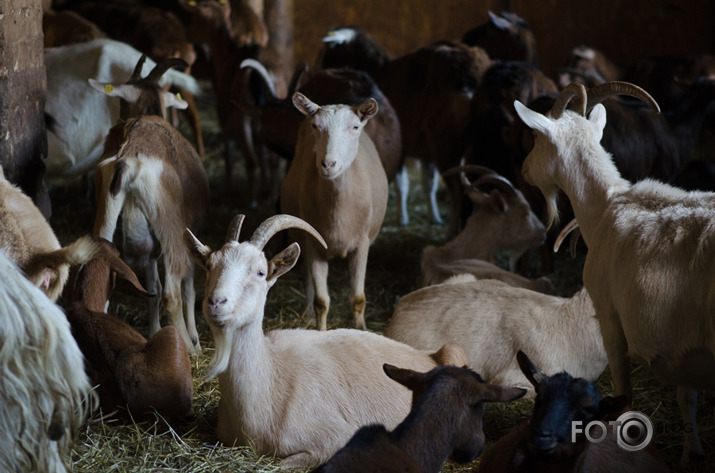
column 295, row 394
column 44, row 389
column 493, row 321
column 650, row 248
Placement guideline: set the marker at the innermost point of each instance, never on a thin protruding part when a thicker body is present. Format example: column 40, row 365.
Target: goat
column 547, row 442
column 502, row 221
column 646, row 242
column 278, row 121
column 431, row 90
column 273, row 385
column 134, row 376
column 28, row 240
column 82, row 117
column 505, row 36
column 336, row 183
column 155, row 32
column 445, row 420
column 153, row 176
column 492, row 320
column 45, row 394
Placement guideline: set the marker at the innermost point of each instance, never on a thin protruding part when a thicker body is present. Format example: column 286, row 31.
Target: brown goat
column 134, row 376
column 445, row 420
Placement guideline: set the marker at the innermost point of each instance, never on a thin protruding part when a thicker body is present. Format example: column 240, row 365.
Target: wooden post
column 278, row 54
column 23, row 87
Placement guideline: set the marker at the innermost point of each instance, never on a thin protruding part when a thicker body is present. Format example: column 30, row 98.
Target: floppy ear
column 408, row 378
column 123, row 270
column 174, row 100
column 532, row 119
column 496, row 393
column 283, row 261
column 198, row 251
column 532, row 373
column 304, row 105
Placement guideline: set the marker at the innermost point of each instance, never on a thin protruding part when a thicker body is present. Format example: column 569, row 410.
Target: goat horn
column 573, row 90
column 601, row 92
column 497, row 181
column 571, row 226
column 234, row 228
column 137, row 74
column 463, row 169
column 262, row 72
column 276, row 223
column 163, row 66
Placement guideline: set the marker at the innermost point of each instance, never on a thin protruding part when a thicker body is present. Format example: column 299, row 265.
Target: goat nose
column 217, row 301
column 327, row 165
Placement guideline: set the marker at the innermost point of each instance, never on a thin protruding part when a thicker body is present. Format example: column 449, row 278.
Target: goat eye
column 315, row 127
column 261, row 274
column 355, row 127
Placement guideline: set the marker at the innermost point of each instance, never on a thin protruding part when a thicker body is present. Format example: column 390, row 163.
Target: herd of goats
column 350, row 399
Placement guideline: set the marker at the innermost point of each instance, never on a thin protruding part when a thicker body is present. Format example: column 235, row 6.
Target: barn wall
column 23, row 141
column 648, row 27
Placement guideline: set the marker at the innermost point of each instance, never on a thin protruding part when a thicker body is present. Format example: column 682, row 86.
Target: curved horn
column 573, row 90
column 163, row 66
column 276, row 223
column 234, row 228
column 137, row 73
column 571, row 226
column 262, row 72
column 496, row 180
column 601, row 92
column 463, row 169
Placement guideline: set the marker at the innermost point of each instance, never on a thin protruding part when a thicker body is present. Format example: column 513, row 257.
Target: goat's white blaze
column 337, row 135
column 340, row 36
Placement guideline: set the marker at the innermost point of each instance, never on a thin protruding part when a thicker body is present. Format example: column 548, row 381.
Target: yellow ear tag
column 178, row 97
column 279, row 261
column 108, row 88
column 222, row 2
column 192, row 3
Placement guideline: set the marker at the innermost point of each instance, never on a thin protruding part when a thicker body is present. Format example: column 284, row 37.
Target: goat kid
column 296, row 394
column 445, row 421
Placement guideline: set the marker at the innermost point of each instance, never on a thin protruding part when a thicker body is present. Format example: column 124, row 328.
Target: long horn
column 573, row 90
column 571, row 226
column 163, row 66
column 234, row 228
column 276, row 223
column 601, row 92
column 262, row 72
column 137, row 74
column 497, row 181
column 463, row 169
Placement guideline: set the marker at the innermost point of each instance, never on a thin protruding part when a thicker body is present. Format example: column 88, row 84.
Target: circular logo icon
column 634, row 431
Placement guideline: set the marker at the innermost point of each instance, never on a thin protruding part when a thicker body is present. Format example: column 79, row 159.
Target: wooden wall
column 624, row 30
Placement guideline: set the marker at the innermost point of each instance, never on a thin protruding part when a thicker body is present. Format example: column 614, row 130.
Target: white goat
column 650, row 245
column 28, row 240
column 81, row 118
column 44, row 393
column 153, row 176
column 337, row 183
column 295, row 394
column 493, row 321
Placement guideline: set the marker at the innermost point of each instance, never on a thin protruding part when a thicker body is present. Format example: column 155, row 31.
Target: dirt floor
column 393, row 267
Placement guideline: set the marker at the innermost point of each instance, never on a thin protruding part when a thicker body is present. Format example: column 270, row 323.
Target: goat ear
column 532, row 119
column 496, row 393
column 611, row 405
column 532, row 373
column 408, row 378
column 304, row 105
column 198, row 251
column 122, row 269
column 597, row 117
column 499, row 22
column 174, row 100
column 283, row 261
column 367, row 109
column 130, row 93
column 498, row 201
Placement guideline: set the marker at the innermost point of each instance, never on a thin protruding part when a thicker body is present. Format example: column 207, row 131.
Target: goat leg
column 693, row 449
column 357, row 264
column 402, row 181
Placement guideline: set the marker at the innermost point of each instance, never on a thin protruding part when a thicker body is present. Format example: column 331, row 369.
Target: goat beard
column 223, row 341
column 552, row 209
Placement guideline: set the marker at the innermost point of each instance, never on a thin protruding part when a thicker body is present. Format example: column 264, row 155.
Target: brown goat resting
column 135, row 377
column 445, row 420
